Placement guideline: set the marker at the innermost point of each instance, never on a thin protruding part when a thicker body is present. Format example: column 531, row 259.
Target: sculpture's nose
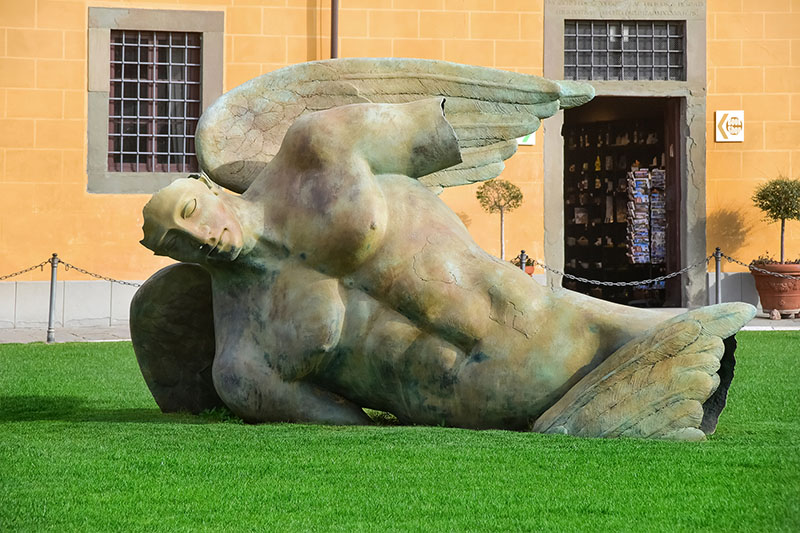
column 206, row 235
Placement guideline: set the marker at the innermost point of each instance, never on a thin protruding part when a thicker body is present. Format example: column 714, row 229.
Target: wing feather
column 488, row 108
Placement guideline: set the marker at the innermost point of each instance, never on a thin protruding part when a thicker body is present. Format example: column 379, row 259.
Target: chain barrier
column 68, row 266
column 623, row 283
column 763, row 271
column 40, row 266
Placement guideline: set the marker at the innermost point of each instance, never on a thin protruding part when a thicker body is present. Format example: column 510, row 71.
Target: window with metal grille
column 624, row 50
column 154, row 100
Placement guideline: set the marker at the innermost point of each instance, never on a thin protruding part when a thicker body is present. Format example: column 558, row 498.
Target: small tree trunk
column 783, row 227
column 502, row 235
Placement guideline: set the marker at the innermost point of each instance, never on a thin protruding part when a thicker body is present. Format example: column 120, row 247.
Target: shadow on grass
column 75, row 409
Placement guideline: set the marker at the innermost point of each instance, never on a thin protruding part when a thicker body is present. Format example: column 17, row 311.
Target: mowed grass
column 83, row 447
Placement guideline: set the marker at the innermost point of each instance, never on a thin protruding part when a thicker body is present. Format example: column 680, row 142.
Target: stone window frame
column 101, row 21
column 692, row 149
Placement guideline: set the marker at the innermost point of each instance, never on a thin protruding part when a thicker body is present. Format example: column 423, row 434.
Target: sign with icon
column 729, row 126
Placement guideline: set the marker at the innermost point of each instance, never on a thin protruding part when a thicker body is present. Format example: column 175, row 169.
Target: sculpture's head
column 192, row 220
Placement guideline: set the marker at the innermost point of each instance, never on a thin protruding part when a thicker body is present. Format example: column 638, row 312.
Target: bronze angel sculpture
column 329, row 277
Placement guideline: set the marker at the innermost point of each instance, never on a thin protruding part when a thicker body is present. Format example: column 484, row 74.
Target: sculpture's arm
column 253, row 389
column 412, row 139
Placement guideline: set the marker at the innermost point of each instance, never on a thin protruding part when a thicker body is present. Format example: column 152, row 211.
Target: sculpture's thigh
column 172, row 330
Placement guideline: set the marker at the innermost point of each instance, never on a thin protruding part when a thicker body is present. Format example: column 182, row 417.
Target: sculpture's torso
column 427, row 326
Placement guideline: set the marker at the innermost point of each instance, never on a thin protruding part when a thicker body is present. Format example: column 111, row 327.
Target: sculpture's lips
column 219, row 251
column 214, row 249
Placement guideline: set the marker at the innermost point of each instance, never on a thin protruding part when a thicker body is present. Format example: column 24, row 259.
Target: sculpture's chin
column 224, row 256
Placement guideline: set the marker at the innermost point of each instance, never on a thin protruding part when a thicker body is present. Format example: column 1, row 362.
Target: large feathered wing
column 488, row 109
column 669, row 383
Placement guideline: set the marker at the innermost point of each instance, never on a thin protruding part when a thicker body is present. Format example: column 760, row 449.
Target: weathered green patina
column 340, row 281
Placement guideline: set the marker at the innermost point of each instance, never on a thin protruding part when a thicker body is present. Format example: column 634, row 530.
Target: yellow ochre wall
column 754, row 65
column 752, row 58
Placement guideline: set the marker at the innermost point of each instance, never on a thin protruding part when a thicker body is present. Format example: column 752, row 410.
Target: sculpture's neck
column 262, row 244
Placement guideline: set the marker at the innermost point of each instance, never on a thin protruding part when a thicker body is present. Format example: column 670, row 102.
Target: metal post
column 523, row 259
column 51, row 334
column 718, row 260
column 334, row 29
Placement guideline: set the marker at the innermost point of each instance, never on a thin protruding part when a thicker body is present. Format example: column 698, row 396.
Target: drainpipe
column 334, row 29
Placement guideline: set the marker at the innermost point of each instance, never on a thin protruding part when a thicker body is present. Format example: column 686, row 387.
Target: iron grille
column 624, row 50
column 154, row 101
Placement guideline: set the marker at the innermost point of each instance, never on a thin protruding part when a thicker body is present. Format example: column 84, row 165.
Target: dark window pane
column 162, row 108
column 162, row 91
column 129, row 108
column 629, row 73
column 193, row 92
column 114, row 108
column 176, row 109
column 629, row 58
column 129, row 71
column 177, row 73
column 193, row 109
column 145, row 108
column 178, row 56
column 130, row 54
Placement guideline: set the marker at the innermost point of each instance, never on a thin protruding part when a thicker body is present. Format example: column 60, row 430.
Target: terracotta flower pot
column 777, row 293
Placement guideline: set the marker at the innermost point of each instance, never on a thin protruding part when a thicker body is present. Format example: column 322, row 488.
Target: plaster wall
column 753, row 65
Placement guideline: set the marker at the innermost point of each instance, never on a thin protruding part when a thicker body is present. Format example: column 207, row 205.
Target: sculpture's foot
column 669, row 383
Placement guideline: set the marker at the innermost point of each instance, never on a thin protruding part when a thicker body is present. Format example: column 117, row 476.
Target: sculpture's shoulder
column 321, row 138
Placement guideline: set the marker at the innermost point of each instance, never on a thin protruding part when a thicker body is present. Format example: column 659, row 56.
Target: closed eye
column 189, row 208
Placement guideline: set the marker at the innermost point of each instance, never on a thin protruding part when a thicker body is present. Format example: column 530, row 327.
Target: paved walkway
column 122, row 333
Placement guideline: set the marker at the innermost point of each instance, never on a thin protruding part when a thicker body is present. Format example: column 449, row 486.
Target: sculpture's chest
column 294, row 316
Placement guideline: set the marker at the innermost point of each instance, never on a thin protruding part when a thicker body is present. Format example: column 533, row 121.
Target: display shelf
column 614, row 216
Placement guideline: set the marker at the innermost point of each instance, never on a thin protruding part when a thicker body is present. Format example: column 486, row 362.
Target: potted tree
column 779, row 199
column 499, row 196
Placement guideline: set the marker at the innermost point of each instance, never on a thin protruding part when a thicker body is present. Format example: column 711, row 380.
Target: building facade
column 78, row 161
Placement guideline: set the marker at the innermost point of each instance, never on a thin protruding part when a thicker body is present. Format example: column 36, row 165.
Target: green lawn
column 84, row 448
